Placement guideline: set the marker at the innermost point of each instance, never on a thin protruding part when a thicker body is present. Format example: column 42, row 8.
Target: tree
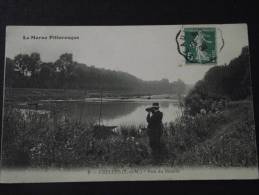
column 27, row 64
column 10, row 74
column 22, row 62
column 220, row 83
column 35, row 62
column 47, row 75
column 64, row 63
column 68, row 74
column 64, row 67
column 178, row 87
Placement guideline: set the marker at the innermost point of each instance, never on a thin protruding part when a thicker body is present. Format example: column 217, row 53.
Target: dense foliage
column 220, row 84
column 225, row 138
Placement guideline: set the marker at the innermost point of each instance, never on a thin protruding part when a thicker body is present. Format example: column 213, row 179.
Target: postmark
column 198, row 45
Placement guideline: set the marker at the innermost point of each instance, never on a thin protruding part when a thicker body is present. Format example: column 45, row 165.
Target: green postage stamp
column 200, row 45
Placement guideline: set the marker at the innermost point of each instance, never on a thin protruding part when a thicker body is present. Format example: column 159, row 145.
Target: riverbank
column 223, row 139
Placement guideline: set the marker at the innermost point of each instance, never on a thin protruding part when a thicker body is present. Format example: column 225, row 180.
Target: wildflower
column 203, row 111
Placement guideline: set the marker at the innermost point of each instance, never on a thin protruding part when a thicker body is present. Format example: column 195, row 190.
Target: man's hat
column 154, row 105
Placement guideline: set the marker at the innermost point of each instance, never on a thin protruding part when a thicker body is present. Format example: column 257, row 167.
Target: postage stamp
column 199, row 45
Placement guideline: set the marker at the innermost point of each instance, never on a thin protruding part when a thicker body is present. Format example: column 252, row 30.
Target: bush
column 228, row 143
column 37, row 142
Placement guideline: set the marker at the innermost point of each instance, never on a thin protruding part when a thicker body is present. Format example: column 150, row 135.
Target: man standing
column 155, row 126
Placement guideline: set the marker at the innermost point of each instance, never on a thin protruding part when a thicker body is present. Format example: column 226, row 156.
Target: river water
column 115, row 112
column 111, row 112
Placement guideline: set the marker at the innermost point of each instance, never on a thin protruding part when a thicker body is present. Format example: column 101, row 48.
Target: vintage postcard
column 127, row 103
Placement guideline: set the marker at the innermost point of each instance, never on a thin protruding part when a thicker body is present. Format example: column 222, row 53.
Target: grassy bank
column 225, row 138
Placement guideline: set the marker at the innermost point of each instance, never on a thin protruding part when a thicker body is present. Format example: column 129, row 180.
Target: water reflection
column 115, row 113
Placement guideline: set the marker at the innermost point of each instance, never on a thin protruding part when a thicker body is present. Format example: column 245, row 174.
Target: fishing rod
column 101, row 100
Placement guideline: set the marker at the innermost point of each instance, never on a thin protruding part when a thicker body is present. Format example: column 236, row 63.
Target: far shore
column 114, row 99
column 56, row 95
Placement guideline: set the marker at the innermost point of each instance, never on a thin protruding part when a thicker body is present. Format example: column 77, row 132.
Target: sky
column 148, row 52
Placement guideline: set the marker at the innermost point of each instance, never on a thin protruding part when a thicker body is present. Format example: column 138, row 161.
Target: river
column 112, row 112
column 116, row 112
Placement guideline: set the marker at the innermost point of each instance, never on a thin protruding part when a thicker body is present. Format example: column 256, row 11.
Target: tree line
column 29, row 71
column 228, row 82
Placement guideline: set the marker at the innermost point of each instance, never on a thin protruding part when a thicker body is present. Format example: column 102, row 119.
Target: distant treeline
column 28, row 71
column 221, row 83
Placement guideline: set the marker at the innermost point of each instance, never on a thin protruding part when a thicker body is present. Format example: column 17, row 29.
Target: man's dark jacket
column 155, row 122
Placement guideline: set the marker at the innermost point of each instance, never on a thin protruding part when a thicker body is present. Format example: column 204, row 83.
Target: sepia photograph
column 123, row 103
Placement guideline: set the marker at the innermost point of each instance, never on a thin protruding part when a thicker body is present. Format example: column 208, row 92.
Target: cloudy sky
column 148, row 52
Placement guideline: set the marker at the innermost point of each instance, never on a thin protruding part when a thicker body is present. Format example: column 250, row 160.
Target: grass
column 226, row 138
column 223, row 139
